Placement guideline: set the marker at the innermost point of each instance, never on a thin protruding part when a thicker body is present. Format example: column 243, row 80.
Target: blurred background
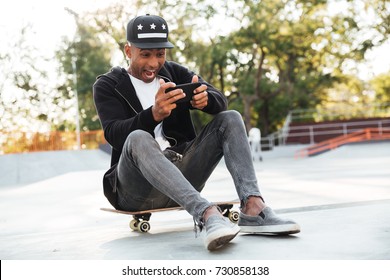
column 300, row 71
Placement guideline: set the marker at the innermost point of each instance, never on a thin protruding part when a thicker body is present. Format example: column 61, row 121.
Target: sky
column 49, row 18
column 51, row 22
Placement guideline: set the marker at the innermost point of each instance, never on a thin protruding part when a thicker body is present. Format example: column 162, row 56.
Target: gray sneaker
column 267, row 222
column 219, row 232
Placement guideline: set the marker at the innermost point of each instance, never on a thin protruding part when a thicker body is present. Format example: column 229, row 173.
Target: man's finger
column 195, row 79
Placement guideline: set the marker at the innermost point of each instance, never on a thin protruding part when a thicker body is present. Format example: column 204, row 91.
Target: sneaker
column 267, row 222
column 219, row 232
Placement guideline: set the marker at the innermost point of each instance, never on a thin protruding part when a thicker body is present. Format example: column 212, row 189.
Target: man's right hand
column 164, row 103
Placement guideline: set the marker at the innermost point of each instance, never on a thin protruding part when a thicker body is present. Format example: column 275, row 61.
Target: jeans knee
column 138, row 139
column 231, row 118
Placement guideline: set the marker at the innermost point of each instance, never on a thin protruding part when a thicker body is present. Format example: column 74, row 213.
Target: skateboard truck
column 227, row 211
column 140, row 222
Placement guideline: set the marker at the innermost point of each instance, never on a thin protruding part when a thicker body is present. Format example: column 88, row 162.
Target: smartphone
column 188, row 89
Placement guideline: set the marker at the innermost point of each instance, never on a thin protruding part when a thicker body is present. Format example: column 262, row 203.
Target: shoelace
column 198, row 227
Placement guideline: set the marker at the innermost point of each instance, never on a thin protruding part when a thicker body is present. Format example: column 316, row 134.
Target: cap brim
column 161, row 45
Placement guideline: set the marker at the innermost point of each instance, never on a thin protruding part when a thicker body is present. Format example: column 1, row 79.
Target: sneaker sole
column 216, row 241
column 276, row 229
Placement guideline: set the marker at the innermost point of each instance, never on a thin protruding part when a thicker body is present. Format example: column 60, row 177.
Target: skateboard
column 140, row 221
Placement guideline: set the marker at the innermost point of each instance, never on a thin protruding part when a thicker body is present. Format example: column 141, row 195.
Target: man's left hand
column 200, row 98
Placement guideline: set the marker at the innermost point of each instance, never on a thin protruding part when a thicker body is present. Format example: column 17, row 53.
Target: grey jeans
column 150, row 178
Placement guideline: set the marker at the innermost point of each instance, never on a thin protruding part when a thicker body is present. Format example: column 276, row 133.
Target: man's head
column 147, row 38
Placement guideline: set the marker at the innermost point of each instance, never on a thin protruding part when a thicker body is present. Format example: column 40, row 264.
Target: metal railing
column 310, row 133
column 314, row 133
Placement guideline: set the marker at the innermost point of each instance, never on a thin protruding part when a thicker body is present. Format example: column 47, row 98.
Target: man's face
column 145, row 63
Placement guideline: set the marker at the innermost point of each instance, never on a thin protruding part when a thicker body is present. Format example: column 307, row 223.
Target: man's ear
column 127, row 50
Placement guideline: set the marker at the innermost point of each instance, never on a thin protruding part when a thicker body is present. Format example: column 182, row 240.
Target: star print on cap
column 148, row 32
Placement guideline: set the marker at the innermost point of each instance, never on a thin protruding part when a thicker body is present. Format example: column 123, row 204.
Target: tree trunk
column 264, row 116
column 248, row 101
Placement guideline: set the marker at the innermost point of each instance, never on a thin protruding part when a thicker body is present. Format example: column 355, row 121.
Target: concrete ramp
column 21, row 169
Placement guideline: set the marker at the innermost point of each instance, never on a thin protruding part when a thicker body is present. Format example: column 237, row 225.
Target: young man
column 157, row 159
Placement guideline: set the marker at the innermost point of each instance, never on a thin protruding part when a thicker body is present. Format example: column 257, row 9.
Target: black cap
column 148, row 32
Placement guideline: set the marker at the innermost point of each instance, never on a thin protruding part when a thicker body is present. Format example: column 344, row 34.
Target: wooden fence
column 23, row 142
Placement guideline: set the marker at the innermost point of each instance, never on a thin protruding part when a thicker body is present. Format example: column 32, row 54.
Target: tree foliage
column 286, row 52
column 381, row 87
column 82, row 60
column 29, row 97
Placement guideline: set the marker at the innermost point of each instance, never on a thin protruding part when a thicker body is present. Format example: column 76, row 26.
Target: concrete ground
column 49, row 209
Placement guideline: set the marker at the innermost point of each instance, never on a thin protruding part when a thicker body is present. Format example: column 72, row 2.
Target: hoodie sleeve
column 114, row 114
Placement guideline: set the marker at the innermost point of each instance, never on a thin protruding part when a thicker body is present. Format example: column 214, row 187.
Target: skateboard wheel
column 144, row 226
column 134, row 224
column 233, row 216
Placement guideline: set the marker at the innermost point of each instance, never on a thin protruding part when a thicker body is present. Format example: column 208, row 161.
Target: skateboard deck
column 140, row 221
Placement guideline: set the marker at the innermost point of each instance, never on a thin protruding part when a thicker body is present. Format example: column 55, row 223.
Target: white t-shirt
column 146, row 93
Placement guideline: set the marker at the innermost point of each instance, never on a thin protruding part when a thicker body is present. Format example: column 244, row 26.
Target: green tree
column 29, row 96
column 381, row 87
column 287, row 52
column 349, row 96
column 86, row 57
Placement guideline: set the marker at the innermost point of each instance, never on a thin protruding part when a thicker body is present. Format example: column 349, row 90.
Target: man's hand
column 200, row 99
column 165, row 102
